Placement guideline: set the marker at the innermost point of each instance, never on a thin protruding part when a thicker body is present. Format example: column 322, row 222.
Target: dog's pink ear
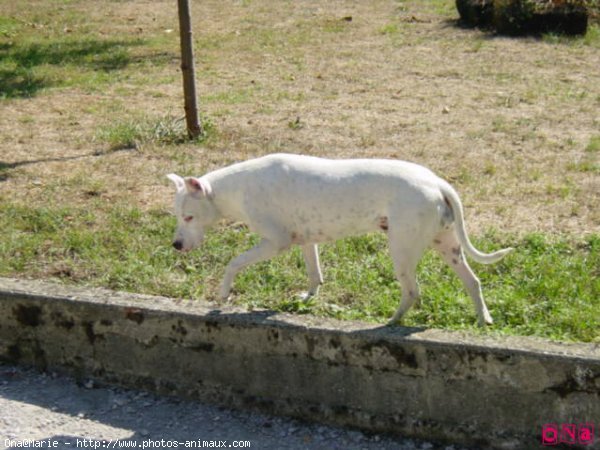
column 177, row 180
column 198, row 187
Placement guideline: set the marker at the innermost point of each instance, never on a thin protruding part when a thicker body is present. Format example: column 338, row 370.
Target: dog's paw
column 396, row 318
column 225, row 298
column 305, row 296
column 225, row 293
column 393, row 322
column 487, row 321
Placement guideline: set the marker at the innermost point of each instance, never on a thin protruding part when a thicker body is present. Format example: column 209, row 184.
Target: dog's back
column 322, row 199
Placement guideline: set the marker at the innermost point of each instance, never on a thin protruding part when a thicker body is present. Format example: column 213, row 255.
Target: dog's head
column 194, row 210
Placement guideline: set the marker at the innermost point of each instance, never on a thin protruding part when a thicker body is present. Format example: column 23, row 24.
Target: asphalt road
column 54, row 411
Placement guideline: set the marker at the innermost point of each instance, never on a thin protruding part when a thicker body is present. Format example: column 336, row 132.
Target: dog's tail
column 453, row 201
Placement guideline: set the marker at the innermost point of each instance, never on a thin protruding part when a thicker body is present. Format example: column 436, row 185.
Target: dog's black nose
column 178, row 245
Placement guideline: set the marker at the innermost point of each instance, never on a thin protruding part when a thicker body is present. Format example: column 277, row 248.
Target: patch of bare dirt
column 507, row 121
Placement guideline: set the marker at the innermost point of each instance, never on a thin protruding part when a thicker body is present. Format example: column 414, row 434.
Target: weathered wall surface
column 423, row 383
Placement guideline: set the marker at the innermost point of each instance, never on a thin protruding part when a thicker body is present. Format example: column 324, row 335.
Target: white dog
column 302, row 200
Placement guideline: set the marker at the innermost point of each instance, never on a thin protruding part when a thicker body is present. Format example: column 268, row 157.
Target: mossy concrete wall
column 490, row 392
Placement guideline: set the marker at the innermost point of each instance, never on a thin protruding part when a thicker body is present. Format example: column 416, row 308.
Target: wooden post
column 192, row 119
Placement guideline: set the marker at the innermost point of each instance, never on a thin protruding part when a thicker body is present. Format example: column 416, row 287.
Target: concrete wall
column 423, row 383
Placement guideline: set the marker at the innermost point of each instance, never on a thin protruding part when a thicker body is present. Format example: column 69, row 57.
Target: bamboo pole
column 194, row 127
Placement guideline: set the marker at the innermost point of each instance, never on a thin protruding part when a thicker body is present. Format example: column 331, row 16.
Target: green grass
column 60, row 49
column 8, row 26
column 590, row 162
column 163, row 130
column 594, row 145
column 549, row 287
column 28, row 66
column 591, row 38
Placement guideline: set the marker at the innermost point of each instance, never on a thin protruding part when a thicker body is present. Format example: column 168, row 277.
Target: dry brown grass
column 506, row 120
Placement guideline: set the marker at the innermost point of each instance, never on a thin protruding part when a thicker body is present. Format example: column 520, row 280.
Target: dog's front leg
column 265, row 249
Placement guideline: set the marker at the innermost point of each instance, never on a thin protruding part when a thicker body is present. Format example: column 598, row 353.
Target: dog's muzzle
column 178, row 245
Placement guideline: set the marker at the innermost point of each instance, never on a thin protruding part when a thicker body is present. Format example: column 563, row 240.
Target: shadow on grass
column 6, row 167
column 20, row 62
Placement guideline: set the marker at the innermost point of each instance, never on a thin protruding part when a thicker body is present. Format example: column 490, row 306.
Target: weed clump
column 134, row 134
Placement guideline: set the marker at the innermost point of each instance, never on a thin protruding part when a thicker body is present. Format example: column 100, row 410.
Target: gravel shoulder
column 51, row 410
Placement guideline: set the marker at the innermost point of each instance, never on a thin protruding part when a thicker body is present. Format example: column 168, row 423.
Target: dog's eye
column 188, row 218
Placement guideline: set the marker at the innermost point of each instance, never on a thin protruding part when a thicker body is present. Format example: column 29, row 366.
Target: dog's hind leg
column 447, row 244
column 406, row 251
column 311, row 259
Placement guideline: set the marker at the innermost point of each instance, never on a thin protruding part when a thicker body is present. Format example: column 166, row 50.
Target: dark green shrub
column 517, row 17
column 476, row 13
